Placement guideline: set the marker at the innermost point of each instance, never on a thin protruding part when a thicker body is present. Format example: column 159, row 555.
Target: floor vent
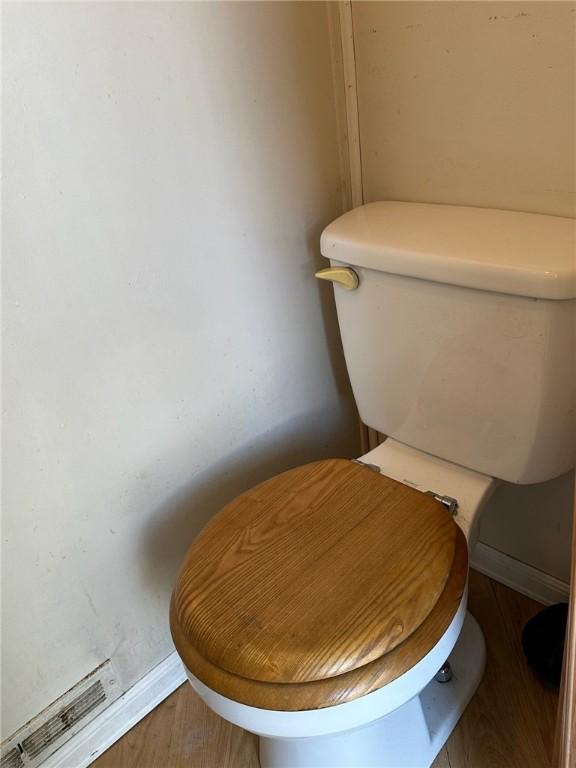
column 12, row 759
column 47, row 734
column 44, row 734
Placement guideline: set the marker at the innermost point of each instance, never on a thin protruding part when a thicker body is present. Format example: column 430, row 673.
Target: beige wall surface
column 469, row 103
column 473, row 103
column 168, row 169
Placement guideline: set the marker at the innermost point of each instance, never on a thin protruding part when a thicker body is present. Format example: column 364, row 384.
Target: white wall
column 168, row 170
column 473, row 103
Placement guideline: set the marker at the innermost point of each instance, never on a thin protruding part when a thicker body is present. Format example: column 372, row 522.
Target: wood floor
column 508, row 724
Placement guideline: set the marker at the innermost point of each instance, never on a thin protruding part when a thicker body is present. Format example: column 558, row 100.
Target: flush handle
column 344, row 276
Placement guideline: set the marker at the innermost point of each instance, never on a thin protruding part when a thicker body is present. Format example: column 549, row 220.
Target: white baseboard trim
column 113, row 722
column 523, row 578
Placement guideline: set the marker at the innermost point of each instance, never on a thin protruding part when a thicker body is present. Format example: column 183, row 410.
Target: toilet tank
column 460, row 337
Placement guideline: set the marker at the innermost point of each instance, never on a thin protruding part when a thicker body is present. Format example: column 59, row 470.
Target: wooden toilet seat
column 316, row 587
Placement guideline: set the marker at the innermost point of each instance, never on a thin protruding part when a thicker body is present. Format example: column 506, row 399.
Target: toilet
column 325, row 609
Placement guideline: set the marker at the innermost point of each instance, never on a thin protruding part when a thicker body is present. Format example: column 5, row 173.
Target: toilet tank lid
column 526, row 254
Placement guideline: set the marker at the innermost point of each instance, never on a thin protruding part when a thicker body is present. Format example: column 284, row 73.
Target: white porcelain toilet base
column 409, row 737
column 402, row 725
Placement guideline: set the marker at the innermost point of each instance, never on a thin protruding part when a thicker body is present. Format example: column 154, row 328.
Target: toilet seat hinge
column 449, row 502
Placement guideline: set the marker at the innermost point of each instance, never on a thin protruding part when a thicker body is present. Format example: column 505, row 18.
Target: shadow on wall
column 526, row 508
column 310, row 436
column 176, row 523
column 329, row 316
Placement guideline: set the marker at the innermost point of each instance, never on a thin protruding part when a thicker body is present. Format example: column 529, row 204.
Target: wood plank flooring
column 508, row 724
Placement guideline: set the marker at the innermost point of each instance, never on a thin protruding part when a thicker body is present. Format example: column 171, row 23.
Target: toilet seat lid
column 314, row 573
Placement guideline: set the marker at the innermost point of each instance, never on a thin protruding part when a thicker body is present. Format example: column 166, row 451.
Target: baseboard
column 523, row 578
column 113, row 722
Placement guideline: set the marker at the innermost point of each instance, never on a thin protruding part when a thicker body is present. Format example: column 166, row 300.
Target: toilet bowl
column 386, row 710
column 325, row 609
column 392, row 727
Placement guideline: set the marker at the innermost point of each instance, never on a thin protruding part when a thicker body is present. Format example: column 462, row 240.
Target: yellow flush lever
column 344, row 276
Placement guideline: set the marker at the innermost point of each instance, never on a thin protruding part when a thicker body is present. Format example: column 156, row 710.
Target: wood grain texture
column 336, row 690
column 314, row 573
column 508, row 724
column 182, row 733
